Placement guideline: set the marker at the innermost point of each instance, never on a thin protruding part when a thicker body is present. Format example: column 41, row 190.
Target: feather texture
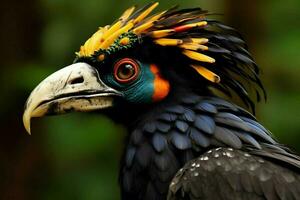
column 228, row 145
column 214, row 50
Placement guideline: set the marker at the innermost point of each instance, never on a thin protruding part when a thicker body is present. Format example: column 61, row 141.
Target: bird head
column 142, row 59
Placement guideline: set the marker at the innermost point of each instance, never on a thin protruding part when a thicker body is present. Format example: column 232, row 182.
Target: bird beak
column 77, row 87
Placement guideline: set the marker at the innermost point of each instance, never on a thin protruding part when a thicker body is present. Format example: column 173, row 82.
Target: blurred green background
column 76, row 156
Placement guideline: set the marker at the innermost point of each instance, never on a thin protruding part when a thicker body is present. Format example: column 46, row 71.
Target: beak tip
column 26, row 122
column 28, row 131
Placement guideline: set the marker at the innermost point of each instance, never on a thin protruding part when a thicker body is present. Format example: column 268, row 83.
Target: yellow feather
column 92, row 44
column 143, row 27
column 116, row 34
column 203, row 47
column 127, row 13
column 112, row 30
column 194, row 46
column 200, row 40
column 147, row 24
column 168, row 42
column 209, row 75
column 198, row 56
column 157, row 16
column 162, row 33
column 145, row 13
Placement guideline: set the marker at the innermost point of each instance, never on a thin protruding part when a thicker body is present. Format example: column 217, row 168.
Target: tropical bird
column 170, row 78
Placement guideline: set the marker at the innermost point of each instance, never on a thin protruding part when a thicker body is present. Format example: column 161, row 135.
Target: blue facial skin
column 139, row 90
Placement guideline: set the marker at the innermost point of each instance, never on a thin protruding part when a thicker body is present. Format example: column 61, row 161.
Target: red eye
column 126, row 70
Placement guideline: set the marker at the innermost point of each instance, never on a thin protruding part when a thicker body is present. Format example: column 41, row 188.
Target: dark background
column 76, row 156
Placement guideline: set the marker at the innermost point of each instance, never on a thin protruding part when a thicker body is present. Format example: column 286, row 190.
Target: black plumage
column 237, row 156
column 185, row 141
column 234, row 174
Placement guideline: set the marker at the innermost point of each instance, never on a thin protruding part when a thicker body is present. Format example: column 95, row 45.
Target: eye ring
column 126, row 70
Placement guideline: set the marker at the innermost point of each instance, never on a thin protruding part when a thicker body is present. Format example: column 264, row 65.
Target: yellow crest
column 107, row 35
column 140, row 23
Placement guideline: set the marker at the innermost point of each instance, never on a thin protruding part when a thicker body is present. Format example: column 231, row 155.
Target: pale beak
column 77, row 87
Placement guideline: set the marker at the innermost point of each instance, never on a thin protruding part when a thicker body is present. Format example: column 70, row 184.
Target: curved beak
column 77, row 87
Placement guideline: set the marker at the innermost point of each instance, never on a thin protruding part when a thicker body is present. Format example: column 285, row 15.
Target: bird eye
column 126, row 70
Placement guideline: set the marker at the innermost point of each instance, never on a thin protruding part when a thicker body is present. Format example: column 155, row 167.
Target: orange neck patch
column 161, row 85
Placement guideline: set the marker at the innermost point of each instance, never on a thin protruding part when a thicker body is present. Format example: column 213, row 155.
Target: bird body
column 161, row 76
column 216, row 149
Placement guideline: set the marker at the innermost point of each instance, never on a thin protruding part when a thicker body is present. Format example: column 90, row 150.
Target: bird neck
column 157, row 146
column 132, row 115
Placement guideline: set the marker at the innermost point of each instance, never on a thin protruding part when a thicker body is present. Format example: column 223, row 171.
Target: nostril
column 77, row 80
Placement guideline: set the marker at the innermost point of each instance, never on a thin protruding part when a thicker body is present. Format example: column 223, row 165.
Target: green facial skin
column 137, row 91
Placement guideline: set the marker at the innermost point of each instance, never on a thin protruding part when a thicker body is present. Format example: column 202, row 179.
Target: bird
column 171, row 78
